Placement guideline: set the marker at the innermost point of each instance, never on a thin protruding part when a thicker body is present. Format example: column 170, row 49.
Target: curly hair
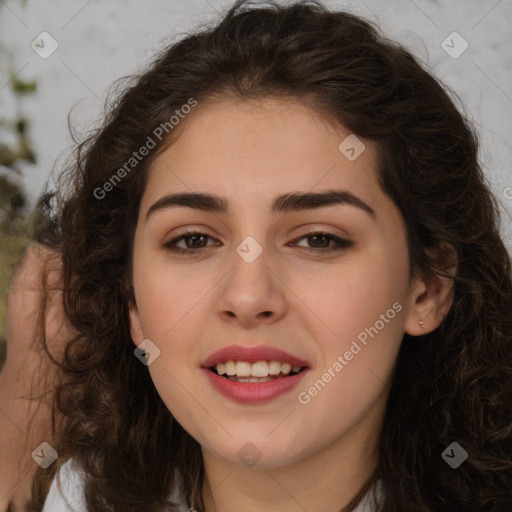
column 456, row 385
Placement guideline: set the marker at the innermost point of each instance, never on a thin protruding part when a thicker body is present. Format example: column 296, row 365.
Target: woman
column 285, row 273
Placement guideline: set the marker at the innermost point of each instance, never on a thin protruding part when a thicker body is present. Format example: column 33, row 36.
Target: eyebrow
column 294, row 201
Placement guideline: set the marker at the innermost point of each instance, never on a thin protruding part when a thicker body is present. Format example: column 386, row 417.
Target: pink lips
column 251, row 355
column 252, row 392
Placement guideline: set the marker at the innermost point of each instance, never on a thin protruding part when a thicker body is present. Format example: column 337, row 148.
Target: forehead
column 260, row 148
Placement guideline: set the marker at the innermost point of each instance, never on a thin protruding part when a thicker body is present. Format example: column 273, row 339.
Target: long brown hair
column 452, row 385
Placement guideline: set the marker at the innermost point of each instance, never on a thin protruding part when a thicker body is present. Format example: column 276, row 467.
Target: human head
column 427, row 165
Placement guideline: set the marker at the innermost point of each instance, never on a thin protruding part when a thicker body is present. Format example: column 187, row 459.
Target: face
column 326, row 283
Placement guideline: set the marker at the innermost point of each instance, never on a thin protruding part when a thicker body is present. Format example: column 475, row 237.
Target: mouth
column 253, row 374
column 256, row 372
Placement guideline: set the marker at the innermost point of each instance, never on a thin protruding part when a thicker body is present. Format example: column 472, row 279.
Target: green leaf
column 21, row 87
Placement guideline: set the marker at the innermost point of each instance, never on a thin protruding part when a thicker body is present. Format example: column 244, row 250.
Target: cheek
column 349, row 297
column 166, row 299
column 167, row 306
column 356, row 314
column 359, row 349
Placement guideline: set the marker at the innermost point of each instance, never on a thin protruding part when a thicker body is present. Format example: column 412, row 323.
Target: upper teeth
column 258, row 369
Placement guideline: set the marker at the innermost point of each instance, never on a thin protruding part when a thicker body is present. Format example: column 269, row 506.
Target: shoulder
column 66, row 493
column 367, row 504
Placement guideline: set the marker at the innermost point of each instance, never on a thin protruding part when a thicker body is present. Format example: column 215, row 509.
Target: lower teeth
column 256, row 379
column 249, row 379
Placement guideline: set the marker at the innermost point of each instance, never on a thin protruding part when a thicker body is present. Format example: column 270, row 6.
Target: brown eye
column 194, row 241
column 320, row 241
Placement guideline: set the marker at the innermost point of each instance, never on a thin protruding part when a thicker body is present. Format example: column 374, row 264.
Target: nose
column 252, row 293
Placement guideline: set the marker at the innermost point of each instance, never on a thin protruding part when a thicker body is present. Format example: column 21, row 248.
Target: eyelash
column 342, row 243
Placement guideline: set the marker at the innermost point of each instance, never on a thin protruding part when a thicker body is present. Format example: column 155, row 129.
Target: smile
column 261, row 371
column 253, row 374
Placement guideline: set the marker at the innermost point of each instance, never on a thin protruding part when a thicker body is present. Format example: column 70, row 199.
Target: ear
column 432, row 296
column 135, row 324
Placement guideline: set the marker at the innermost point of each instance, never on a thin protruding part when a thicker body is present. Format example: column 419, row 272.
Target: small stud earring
column 421, row 324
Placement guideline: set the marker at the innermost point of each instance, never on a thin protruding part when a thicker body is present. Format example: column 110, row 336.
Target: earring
column 421, row 324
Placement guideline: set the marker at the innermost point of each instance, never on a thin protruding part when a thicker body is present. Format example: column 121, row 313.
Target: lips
column 253, row 389
column 252, row 355
column 253, row 393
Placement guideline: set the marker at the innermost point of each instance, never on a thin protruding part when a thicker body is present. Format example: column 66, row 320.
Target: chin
column 247, row 453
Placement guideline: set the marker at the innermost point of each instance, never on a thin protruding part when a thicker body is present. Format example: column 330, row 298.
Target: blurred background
column 58, row 57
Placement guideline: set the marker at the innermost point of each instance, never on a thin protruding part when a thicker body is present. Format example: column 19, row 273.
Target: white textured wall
column 102, row 40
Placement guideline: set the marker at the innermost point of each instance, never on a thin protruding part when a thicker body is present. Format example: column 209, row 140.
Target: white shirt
column 66, row 492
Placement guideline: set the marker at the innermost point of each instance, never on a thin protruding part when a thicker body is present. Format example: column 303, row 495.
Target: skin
column 26, row 422
column 317, row 455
